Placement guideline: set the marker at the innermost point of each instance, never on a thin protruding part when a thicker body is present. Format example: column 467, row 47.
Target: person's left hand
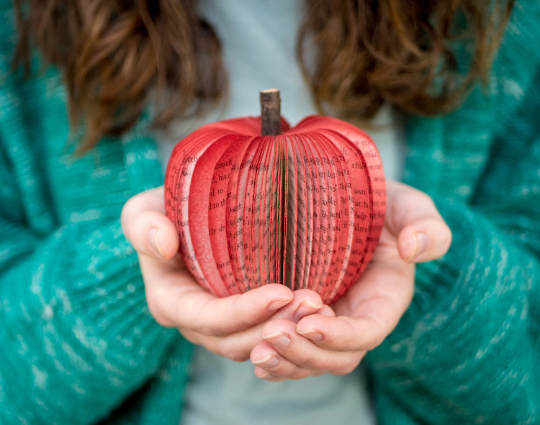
column 413, row 232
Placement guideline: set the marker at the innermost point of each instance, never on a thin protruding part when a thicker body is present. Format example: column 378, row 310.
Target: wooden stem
column 270, row 112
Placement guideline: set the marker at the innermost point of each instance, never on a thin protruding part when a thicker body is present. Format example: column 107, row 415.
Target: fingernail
column 153, row 236
column 269, row 361
column 312, row 334
column 421, row 243
column 278, row 339
column 276, row 305
column 305, row 309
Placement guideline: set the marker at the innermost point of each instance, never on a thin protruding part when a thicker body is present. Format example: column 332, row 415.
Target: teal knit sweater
column 80, row 347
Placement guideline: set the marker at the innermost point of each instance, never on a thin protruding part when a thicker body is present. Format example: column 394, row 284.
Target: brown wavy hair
column 119, row 56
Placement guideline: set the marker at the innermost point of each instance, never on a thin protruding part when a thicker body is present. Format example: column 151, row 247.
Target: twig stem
column 270, row 112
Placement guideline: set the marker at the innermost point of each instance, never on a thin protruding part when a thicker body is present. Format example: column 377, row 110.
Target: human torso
column 258, row 42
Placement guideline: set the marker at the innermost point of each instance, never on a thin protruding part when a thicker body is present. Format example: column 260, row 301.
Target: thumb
column 422, row 234
column 425, row 239
column 146, row 226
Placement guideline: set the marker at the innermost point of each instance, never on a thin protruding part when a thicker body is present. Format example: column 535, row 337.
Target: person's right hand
column 229, row 326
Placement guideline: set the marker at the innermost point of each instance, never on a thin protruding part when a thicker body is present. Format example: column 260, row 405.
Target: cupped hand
column 230, row 326
column 414, row 231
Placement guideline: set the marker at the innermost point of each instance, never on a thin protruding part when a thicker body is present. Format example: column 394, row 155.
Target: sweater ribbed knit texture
column 79, row 345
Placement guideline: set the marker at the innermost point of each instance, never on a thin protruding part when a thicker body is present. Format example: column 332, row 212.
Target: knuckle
column 162, row 321
column 375, row 342
column 378, row 337
column 156, row 313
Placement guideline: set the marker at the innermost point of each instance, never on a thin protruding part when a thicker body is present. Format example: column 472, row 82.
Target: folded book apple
column 303, row 207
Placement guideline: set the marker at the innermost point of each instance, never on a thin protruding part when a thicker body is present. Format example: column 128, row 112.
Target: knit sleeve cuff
column 472, row 311
column 105, row 289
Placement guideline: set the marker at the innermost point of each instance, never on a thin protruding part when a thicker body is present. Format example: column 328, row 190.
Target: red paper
column 304, row 209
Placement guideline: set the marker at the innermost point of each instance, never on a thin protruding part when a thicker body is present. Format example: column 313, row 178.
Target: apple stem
column 270, row 112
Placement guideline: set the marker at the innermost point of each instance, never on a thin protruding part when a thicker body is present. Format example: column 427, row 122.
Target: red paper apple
column 303, row 208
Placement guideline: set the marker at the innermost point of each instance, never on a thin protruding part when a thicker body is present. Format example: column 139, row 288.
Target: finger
column 271, row 362
column 237, row 346
column 425, row 239
column 344, row 333
column 299, row 374
column 267, row 376
column 306, row 302
column 282, row 336
column 367, row 314
column 146, row 226
column 182, row 303
column 422, row 233
column 327, row 311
